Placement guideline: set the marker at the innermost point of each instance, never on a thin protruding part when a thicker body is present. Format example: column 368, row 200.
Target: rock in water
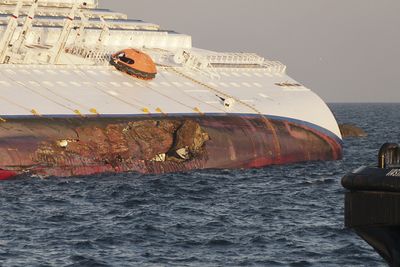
column 350, row 130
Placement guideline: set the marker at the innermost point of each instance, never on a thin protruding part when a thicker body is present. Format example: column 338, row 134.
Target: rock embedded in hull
column 190, row 137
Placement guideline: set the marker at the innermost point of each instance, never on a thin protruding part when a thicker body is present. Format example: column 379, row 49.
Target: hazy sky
column 345, row 50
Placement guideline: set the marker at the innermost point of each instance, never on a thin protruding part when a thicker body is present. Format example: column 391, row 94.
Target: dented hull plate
column 85, row 146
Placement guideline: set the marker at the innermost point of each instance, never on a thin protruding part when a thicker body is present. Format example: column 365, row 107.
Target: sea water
column 274, row 216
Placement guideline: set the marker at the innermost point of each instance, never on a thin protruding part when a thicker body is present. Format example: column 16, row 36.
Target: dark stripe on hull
column 99, row 144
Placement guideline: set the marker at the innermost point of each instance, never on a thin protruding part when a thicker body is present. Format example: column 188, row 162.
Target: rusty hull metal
column 86, row 146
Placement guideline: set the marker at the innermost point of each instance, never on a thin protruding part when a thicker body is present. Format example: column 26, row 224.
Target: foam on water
column 276, row 216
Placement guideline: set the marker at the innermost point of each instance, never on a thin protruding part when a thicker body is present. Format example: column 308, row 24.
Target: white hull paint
column 79, row 85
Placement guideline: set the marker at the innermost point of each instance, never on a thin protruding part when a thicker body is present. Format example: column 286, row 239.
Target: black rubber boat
column 372, row 203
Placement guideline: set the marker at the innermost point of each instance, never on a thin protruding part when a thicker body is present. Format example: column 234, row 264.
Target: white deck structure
column 54, row 61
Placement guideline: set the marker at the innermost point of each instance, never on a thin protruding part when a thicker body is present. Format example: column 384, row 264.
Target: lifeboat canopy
column 135, row 63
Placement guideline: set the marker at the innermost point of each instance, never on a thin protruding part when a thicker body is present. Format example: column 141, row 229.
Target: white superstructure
column 55, row 61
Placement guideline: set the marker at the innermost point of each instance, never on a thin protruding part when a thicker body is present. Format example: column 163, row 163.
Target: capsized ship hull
column 85, row 146
column 164, row 105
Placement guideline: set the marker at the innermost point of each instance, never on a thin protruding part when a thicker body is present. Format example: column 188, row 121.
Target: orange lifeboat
column 135, row 63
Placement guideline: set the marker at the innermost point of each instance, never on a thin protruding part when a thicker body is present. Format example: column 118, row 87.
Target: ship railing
column 93, row 23
column 97, row 56
column 246, row 59
column 199, row 63
column 275, row 67
column 236, row 59
column 61, row 11
column 55, row 3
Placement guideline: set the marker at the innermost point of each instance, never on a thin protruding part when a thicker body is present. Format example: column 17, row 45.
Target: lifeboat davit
column 135, row 63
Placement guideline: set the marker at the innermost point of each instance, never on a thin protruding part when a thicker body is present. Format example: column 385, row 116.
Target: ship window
column 125, row 59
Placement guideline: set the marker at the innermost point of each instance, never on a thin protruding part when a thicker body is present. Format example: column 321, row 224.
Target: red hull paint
column 7, row 175
column 113, row 145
